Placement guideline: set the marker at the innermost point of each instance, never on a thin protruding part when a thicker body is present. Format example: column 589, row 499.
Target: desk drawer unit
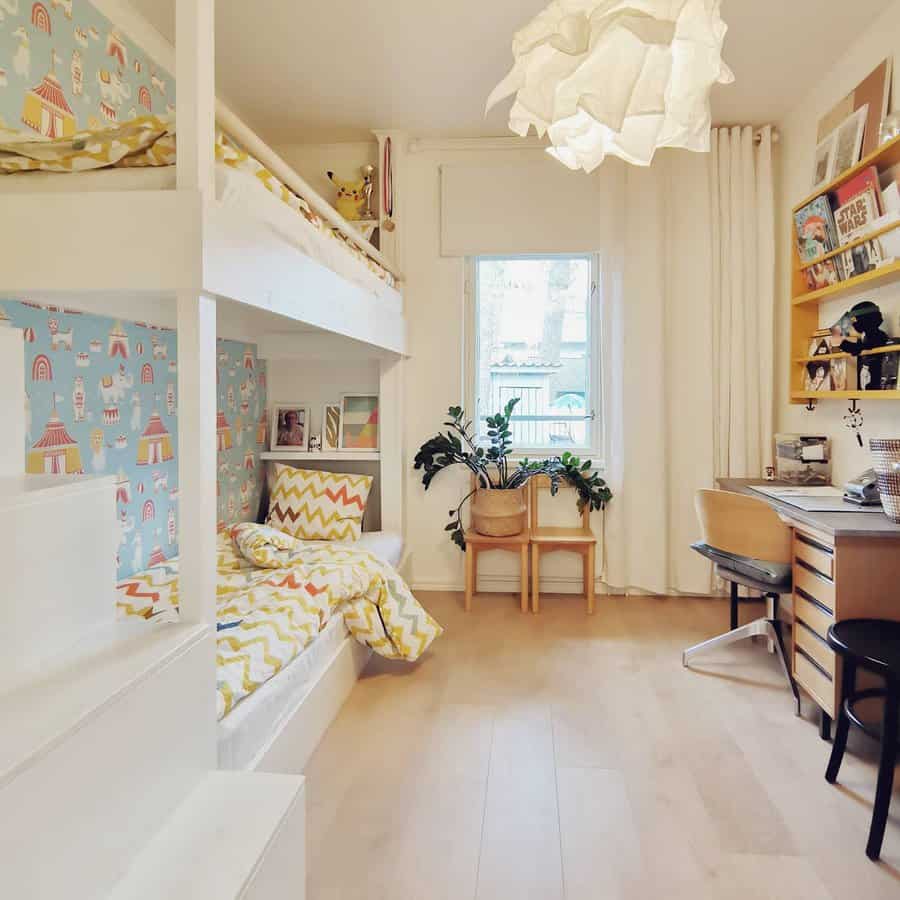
column 815, row 554
column 815, row 665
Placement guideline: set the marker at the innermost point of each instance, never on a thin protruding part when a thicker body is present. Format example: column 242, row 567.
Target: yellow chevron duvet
column 275, row 594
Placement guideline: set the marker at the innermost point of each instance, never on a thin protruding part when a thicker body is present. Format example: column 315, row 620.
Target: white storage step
column 239, row 834
column 58, row 537
column 97, row 754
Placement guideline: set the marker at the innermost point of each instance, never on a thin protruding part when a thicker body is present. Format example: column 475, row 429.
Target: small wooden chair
column 478, row 543
column 578, row 539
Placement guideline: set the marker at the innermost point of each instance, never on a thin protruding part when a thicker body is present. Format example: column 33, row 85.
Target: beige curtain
column 688, row 337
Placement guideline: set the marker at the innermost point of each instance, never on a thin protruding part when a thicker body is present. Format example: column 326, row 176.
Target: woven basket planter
column 499, row 513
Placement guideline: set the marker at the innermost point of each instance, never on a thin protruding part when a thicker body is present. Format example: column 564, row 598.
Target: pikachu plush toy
column 351, row 197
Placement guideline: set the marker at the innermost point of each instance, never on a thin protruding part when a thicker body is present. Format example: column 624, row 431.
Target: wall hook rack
column 854, row 420
column 810, row 405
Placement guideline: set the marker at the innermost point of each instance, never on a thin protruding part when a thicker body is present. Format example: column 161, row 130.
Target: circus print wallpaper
column 101, row 397
column 65, row 68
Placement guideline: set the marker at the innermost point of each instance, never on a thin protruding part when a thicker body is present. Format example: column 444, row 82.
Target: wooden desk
column 846, row 566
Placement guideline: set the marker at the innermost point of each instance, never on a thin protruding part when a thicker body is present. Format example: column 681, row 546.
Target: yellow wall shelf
column 799, row 396
column 805, row 303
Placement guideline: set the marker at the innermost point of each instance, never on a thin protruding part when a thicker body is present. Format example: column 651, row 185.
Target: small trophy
column 368, row 174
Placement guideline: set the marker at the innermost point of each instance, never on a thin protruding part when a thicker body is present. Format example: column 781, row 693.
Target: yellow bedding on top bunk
column 274, row 594
column 151, row 141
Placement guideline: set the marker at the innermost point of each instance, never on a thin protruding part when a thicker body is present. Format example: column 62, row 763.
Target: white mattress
column 384, row 544
column 255, row 720
column 235, row 190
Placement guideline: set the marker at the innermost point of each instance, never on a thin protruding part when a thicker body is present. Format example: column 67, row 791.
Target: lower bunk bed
column 296, row 624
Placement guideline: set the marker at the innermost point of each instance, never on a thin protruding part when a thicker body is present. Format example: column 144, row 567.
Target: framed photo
column 848, row 147
column 331, row 426
column 359, row 422
column 290, row 426
column 824, row 169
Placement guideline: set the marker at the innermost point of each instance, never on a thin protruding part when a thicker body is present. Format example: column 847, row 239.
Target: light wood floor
column 560, row 756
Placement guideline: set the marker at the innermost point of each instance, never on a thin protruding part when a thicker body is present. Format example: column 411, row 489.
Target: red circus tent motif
column 56, row 452
column 223, row 431
column 249, row 461
column 148, row 512
column 46, row 110
column 261, row 429
column 248, row 358
column 118, row 341
column 155, row 444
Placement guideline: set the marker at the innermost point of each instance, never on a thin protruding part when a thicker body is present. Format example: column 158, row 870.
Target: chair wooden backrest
column 542, row 483
column 743, row 525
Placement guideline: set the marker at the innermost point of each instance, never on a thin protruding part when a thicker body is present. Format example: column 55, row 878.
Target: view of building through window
column 533, row 340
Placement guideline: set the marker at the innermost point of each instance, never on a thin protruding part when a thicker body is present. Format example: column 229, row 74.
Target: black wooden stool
column 874, row 645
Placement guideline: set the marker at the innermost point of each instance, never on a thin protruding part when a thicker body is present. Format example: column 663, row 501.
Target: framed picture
column 331, row 426
column 290, row 426
column 873, row 91
column 359, row 422
column 848, row 148
column 824, row 169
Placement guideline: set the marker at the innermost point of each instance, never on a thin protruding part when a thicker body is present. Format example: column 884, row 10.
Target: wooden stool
column 478, row 543
column 579, row 540
column 874, row 645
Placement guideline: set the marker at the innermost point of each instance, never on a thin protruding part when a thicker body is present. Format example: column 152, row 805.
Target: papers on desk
column 812, row 498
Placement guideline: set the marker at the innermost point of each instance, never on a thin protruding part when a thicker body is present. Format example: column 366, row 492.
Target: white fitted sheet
column 235, row 190
column 386, row 545
column 256, row 719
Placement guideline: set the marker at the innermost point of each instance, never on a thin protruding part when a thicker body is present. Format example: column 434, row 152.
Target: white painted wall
column 434, row 301
column 315, row 384
column 795, row 154
column 312, row 161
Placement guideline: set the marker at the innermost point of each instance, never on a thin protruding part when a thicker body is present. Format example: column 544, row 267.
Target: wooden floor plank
column 558, row 756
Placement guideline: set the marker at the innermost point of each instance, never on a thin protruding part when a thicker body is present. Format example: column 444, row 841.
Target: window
column 534, row 334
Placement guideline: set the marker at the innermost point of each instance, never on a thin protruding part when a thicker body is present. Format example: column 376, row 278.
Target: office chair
column 750, row 547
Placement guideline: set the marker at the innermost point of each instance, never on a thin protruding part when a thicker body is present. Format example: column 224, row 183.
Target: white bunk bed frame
column 273, row 295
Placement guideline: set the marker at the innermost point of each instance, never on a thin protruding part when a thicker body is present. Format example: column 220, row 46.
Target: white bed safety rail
column 235, row 128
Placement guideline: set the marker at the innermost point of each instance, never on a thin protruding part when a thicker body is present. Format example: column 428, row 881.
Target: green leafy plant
column 491, row 467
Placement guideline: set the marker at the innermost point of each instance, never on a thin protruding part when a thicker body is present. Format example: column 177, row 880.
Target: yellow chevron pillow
column 318, row 506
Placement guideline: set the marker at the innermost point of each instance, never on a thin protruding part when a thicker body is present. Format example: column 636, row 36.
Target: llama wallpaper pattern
column 66, row 68
column 101, row 398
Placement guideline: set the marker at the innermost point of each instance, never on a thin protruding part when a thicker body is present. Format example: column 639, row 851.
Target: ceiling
column 307, row 72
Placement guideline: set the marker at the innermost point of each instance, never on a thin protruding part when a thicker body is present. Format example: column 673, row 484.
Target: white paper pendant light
column 620, row 77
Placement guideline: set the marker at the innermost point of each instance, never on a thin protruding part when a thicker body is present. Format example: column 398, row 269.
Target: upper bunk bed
column 145, row 209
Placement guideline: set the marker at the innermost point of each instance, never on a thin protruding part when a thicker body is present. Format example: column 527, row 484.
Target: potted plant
column 499, row 505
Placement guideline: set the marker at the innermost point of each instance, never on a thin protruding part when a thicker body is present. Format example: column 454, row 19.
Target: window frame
column 594, row 387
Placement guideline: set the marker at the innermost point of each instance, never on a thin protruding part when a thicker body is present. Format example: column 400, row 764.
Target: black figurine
column 866, row 318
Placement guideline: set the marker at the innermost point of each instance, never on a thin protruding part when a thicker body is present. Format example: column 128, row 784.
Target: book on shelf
column 855, row 218
column 861, row 259
column 824, row 273
column 865, row 180
column 816, row 230
column 817, row 376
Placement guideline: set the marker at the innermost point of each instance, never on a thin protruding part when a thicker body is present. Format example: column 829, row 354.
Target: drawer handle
column 803, row 539
column 815, row 572
column 817, row 603
column 813, row 663
column 815, row 634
